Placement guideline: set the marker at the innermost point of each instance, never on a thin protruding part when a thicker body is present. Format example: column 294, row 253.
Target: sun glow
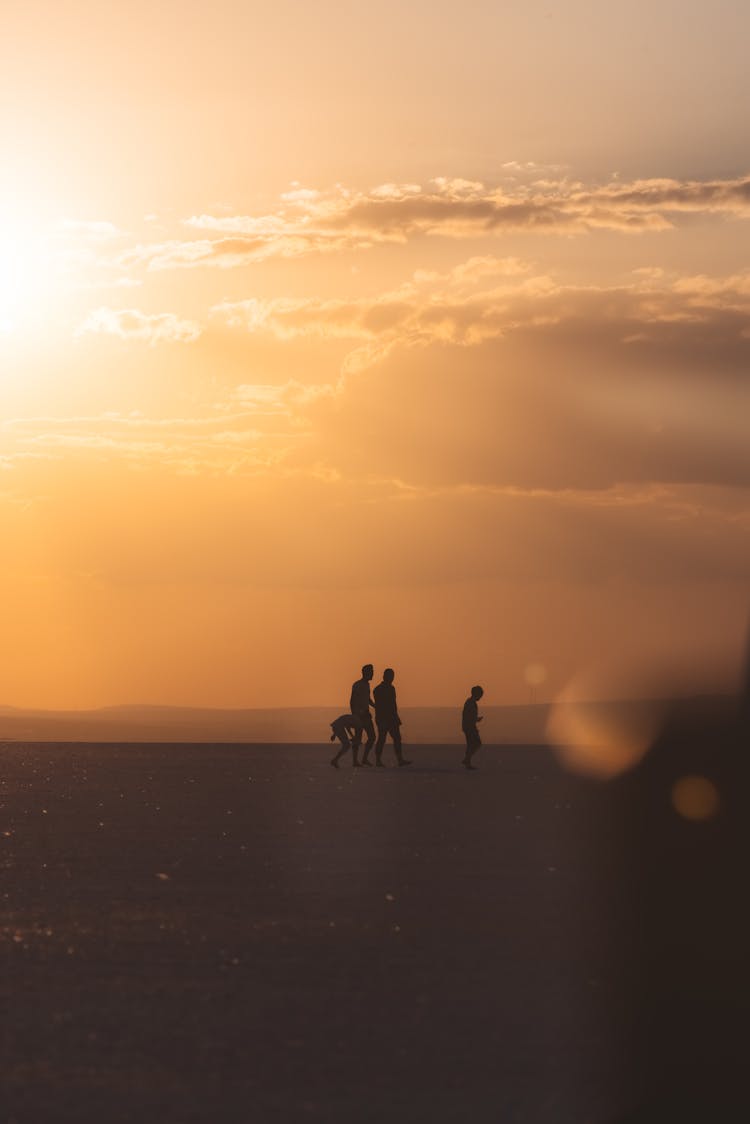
column 30, row 269
column 22, row 274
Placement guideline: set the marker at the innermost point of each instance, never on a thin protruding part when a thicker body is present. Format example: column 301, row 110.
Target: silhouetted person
column 360, row 703
column 469, row 721
column 343, row 728
column 386, row 717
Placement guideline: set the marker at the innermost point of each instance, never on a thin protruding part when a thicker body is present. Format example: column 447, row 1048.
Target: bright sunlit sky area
column 409, row 333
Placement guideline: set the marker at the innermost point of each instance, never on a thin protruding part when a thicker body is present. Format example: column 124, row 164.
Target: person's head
column 368, row 671
column 476, row 693
column 389, row 675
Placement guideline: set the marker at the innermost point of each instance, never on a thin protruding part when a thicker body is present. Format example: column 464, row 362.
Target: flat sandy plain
column 227, row 933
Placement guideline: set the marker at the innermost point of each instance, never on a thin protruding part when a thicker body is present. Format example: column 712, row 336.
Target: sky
column 339, row 333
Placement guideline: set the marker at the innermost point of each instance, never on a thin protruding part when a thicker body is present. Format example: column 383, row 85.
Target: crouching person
column 343, row 728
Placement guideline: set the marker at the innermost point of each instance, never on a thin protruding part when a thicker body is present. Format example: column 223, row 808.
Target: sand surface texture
column 240, row 934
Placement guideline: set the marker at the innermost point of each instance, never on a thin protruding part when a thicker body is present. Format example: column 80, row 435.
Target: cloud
column 508, row 408
column 132, row 324
column 654, row 309
column 484, row 375
column 314, row 222
column 94, row 230
column 239, row 250
column 250, row 432
column 530, row 383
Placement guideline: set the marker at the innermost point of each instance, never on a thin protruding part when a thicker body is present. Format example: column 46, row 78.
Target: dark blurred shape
column 674, row 833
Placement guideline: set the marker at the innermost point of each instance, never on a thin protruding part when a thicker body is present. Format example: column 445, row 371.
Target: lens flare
column 695, row 798
column 600, row 738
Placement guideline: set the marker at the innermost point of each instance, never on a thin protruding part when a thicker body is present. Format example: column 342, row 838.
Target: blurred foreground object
column 685, row 816
column 669, row 808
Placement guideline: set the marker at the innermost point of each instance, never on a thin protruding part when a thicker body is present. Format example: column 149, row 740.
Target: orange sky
column 346, row 332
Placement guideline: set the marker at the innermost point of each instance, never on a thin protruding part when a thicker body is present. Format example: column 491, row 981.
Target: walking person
column 343, row 728
column 360, row 704
column 470, row 718
column 387, row 719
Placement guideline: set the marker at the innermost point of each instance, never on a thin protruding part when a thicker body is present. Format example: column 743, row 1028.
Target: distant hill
column 437, row 725
column 509, row 725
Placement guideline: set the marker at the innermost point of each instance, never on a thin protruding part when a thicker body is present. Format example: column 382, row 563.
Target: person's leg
column 396, row 738
column 382, row 731
column 369, row 730
column 356, row 741
column 345, row 747
column 473, row 742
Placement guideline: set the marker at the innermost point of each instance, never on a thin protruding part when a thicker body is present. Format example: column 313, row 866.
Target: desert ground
column 228, row 933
